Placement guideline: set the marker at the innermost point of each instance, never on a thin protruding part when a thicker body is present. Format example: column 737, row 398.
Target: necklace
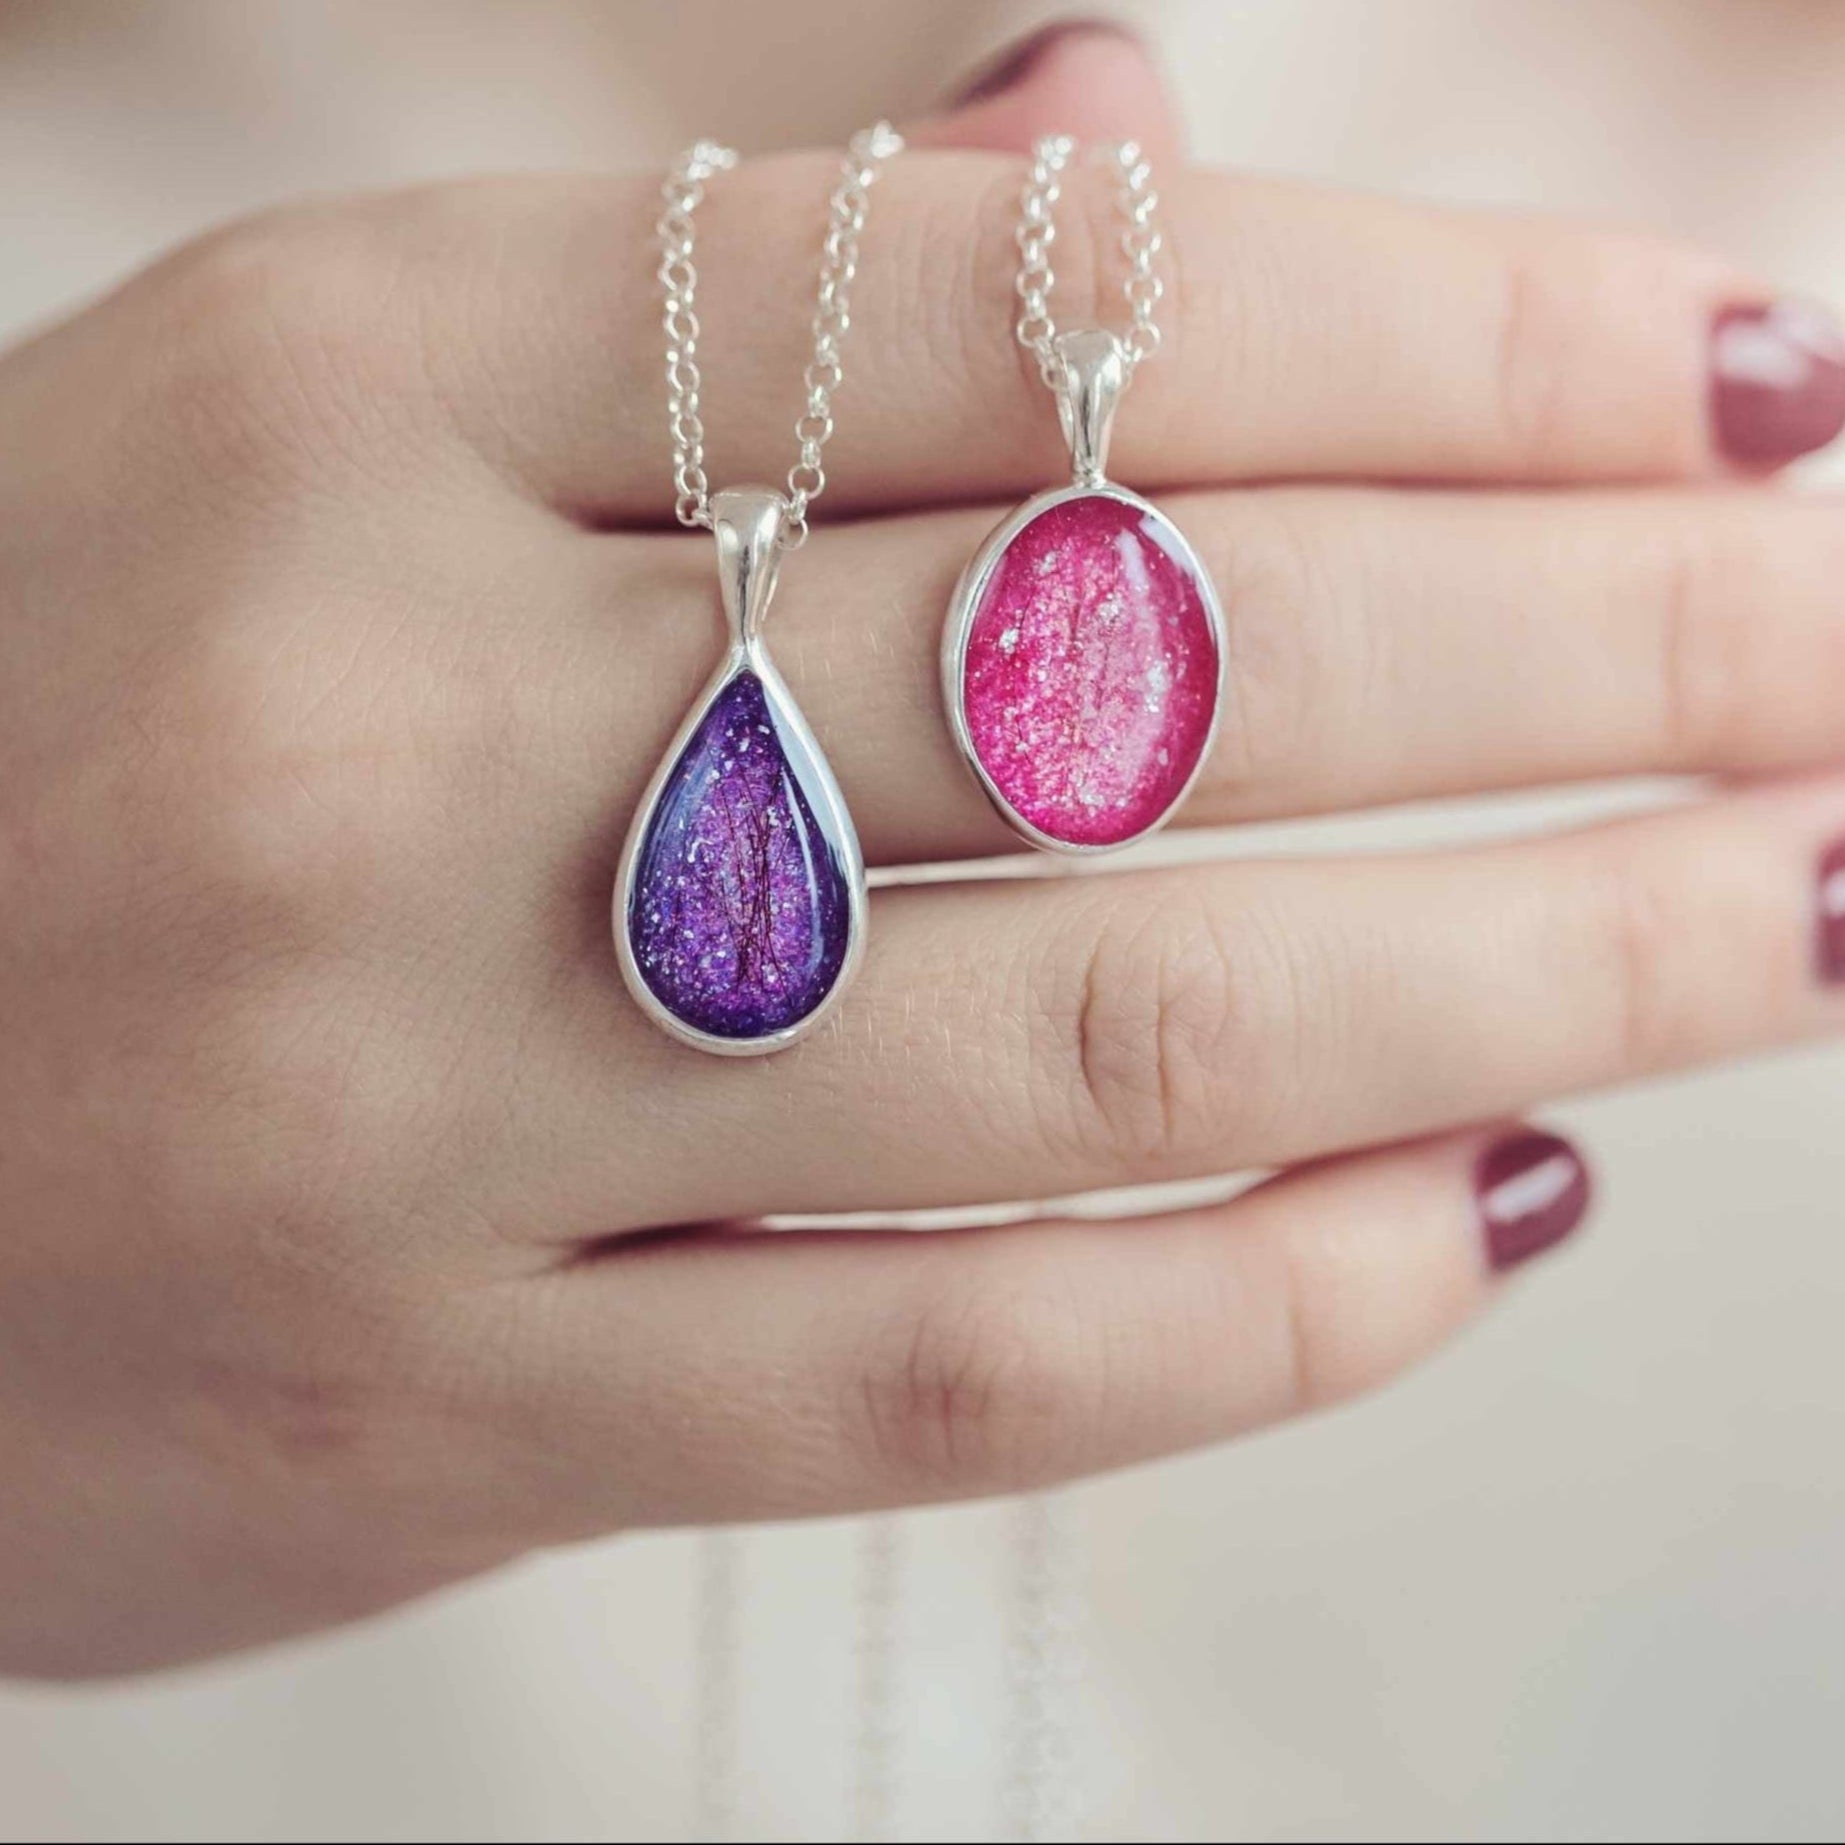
column 1083, row 658
column 739, row 908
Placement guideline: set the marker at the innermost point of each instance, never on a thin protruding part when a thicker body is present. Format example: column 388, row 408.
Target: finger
column 1091, row 78
column 1383, row 647
column 1036, row 1040
column 777, row 1376
column 1308, row 333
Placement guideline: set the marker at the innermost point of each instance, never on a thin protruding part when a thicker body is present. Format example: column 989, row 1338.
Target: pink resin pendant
column 1083, row 660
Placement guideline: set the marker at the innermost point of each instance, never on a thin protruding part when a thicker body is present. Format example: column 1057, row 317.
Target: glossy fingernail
column 1533, row 1191
column 1008, row 68
column 1777, row 381
column 1831, row 917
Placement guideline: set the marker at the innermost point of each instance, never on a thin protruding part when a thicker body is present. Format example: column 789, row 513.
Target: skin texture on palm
column 339, row 639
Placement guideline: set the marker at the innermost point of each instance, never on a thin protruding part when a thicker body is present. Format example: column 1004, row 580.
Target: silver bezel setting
column 811, row 769
column 965, row 603
column 750, row 525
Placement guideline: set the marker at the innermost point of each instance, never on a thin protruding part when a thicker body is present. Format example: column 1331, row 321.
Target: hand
column 339, row 633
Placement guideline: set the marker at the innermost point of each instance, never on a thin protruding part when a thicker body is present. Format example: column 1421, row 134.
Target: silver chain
column 877, row 1650
column 1042, row 1795
column 681, row 194
column 718, row 1735
column 1140, row 244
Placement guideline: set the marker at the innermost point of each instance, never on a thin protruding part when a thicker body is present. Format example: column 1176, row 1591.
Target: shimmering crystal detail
column 1090, row 679
column 739, row 909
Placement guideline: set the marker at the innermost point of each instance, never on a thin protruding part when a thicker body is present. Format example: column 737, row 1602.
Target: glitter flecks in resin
column 739, row 911
column 1090, row 677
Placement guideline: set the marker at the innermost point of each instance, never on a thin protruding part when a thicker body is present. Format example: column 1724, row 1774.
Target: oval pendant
column 1083, row 667
column 739, row 908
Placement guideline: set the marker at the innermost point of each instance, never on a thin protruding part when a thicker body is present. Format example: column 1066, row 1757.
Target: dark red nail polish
column 1533, row 1190
column 1012, row 65
column 1831, row 925
column 1777, row 381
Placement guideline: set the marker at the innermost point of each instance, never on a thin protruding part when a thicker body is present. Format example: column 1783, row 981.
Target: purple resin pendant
column 739, row 910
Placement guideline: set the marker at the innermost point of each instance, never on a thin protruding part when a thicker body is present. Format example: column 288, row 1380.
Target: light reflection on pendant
column 1083, row 658
column 739, row 908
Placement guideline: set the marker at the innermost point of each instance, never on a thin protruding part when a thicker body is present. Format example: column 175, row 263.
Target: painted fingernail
column 1533, row 1190
column 1777, row 381
column 1831, row 929
column 1009, row 67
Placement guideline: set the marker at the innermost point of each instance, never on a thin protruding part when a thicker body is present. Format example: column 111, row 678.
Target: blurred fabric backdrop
column 1581, row 1578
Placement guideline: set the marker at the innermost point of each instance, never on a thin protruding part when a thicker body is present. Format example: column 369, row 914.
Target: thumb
column 1090, row 78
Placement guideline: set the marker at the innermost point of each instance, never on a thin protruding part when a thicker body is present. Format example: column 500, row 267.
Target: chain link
column 681, row 193
column 1141, row 242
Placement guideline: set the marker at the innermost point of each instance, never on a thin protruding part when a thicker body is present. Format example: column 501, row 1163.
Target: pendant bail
column 748, row 523
column 1093, row 367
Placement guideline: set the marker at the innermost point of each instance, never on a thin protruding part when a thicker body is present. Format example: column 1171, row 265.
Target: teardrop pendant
column 739, row 909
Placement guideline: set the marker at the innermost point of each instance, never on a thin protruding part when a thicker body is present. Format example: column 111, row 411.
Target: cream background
column 1579, row 1579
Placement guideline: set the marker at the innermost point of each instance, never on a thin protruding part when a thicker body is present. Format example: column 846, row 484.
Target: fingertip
column 1093, row 78
column 1533, row 1190
column 1015, row 64
column 1777, row 382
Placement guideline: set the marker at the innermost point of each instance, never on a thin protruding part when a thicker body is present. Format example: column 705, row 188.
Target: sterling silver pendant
column 1083, row 656
column 740, row 903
